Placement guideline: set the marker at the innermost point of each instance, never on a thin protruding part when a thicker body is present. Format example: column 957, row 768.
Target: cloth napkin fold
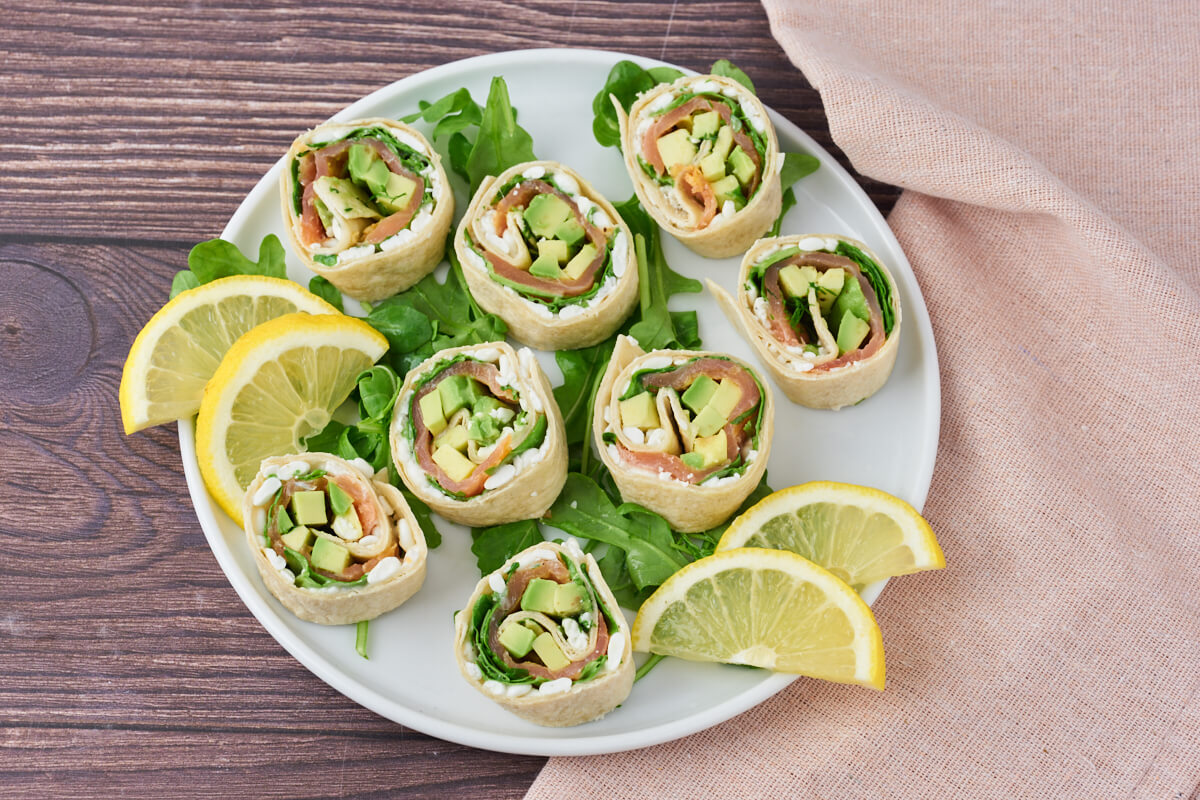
column 1051, row 157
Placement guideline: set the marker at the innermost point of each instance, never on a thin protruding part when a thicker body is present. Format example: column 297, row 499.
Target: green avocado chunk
column 431, row 412
column 699, row 393
column 708, row 421
column 549, row 652
column 545, row 213
column 308, row 508
column 580, row 261
column 851, row 334
column 283, row 521
column 339, row 501
column 693, row 461
column 568, row 599
column 517, row 640
column 396, row 193
column 705, row 124
column 725, row 398
column 298, row 538
column 851, row 300
column 539, row 596
column 546, row 266
column 638, row 412
column 570, row 231
column 344, row 197
column 329, row 556
column 829, row 285
column 741, row 166
column 483, row 429
column 457, row 391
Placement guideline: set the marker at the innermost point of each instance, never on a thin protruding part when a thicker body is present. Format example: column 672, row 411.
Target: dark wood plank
column 133, row 131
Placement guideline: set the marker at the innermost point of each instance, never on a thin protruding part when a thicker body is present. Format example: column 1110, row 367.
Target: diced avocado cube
column 568, row 599
column 742, row 166
column 725, row 398
column 712, row 166
column 552, row 248
column 453, row 463
column 546, row 267
column 396, row 194
column 323, row 213
column 456, row 392
column 724, row 142
column 329, row 556
column 793, row 281
column 455, row 437
column 675, row 148
column 712, row 449
column 581, row 261
column 727, row 188
column 851, row 333
column 339, row 501
column 483, row 429
column 570, row 231
column 348, row 526
column 431, row 412
column 549, row 652
column 639, row 411
column 539, row 596
column 485, row 404
column 298, row 538
column 705, row 123
column 545, row 213
column 693, row 461
column 699, row 393
column 365, row 166
column 708, row 421
column 342, row 196
column 517, row 640
column 850, row 301
column 308, row 508
column 532, row 626
column 829, row 285
column 283, row 521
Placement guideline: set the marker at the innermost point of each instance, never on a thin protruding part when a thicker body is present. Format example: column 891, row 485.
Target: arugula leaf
column 494, row 545
column 875, row 277
column 501, row 142
column 322, row 288
column 725, row 68
column 360, row 637
column 184, row 279
column 582, row 371
column 218, row 258
column 479, row 140
column 656, row 329
column 626, row 80
column 585, row 511
column 405, row 327
column 795, row 167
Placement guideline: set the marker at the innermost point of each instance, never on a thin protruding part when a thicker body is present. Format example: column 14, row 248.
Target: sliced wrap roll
column 684, row 433
column 545, row 639
column 823, row 313
column 331, row 543
column 477, row 435
column 367, row 205
column 549, row 255
column 705, row 162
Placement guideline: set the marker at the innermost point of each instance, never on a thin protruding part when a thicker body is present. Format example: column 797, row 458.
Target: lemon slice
column 179, row 349
column 861, row 535
column 766, row 608
column 278, row 384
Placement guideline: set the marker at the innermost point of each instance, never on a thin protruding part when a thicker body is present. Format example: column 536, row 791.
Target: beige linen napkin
column 1051, row 154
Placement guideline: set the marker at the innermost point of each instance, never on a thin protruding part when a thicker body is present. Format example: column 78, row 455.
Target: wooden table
column 128, row 664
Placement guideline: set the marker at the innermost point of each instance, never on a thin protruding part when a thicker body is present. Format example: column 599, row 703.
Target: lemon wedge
column 278, row 384
column 859, row 534
column 179, row 349
column 765, row 608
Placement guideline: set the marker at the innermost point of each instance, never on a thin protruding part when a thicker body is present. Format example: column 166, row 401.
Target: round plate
column 888, row 442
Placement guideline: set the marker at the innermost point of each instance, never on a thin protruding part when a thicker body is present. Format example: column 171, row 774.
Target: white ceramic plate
column 888, row 441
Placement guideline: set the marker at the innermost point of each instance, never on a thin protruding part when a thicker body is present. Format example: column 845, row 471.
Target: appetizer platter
column 589, row 457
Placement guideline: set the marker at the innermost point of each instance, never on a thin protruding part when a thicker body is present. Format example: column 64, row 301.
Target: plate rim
column 917, row 315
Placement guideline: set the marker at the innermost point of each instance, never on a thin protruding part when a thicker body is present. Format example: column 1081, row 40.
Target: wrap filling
column 827, row 307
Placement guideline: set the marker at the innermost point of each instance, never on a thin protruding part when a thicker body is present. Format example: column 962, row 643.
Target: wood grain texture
column 129, row 665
